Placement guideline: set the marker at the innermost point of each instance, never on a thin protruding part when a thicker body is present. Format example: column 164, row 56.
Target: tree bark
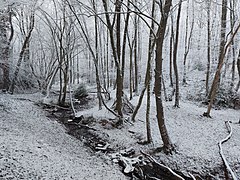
column 116, row 51
column 222, row 40
column 175, row 50
column 21, row 55
column 5, row 18
column 208, row 48
column 188, row 39
column 238, row 68
column 216, row 79
column 167, row 144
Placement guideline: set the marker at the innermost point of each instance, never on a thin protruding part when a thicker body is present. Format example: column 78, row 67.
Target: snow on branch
column 167, row 169
column 229, row 128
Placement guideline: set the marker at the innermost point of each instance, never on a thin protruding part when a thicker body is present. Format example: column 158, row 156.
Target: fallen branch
column 163, row 167
column 192, row 176
column 229, row 128
column 102, row 147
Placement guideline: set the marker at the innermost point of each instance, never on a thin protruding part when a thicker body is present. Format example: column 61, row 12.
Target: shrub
column 80, row 92
column 199, row 66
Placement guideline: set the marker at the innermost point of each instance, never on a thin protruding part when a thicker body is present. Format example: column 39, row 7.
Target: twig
column 192, row 176
column 229, row 128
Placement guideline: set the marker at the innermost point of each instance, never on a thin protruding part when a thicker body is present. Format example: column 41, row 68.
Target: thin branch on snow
column 229, row 128
column 192, row 176
column 178, row 177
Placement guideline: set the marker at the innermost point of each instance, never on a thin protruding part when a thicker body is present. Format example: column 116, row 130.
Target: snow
column 196, row 137
column 35, row 147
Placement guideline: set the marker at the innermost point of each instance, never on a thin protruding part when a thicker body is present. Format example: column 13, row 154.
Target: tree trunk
column 238, row 68
column 171, row 54
column 175, row 50
column 188, row 39
column 147, row 81
column 208, row 47
column 116, row 51
column 125, row 39
column 232, row 19
column 97, row 57
column 21, row 55
column 136, row 53
column 119, row 79
column 5, row 18
column 222, row 40
column 167, row 144
column 215, row 83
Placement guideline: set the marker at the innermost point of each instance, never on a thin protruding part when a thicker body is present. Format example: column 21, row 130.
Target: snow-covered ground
column 35, row 147
column 196, row 137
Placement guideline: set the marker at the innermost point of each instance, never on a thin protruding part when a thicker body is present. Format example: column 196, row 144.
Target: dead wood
column 162, row 170
column 229, row 128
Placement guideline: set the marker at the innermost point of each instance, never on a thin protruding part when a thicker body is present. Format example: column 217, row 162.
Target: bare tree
column 208, row 46
column 188, row 39
column 175, row 50
column 5, row 19
column 167, row 144
column 147, row 82
column 24, row 48
column 216, row 79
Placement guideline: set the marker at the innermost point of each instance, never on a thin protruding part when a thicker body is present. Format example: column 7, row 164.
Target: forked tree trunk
column 167, row 144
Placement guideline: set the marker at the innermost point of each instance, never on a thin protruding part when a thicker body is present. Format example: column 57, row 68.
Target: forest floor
column 196, row 137
column 34, row 145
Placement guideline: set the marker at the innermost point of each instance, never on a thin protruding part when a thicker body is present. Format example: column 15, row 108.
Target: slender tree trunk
column 171, row 54
column 216, row 79
column 125, row 39
column 222, row 39
column 208, row 47
column 232, row 19
column 188, row 39
column 116, row 49
column 147, row 81
column 175, row 56
column 167, row 144
column 5, row 18
column 238, row 68
column 21, row 55
column 136, row 53
column 130, row 75
column 119, row 80
column 148, row 123
column 97, row 57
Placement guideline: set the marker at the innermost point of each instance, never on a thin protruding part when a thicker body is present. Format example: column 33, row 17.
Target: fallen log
column 229, row 128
